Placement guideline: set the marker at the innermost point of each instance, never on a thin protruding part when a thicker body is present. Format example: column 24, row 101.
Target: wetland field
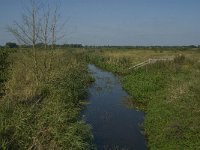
column 94, row 98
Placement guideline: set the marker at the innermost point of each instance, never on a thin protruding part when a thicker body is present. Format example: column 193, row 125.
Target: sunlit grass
column 42, row 104
column 168, row 92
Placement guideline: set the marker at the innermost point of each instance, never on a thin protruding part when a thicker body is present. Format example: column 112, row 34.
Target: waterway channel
column 114, row 125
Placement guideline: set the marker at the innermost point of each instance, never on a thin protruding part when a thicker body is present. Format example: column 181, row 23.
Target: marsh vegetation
column 44, row 87
column 40, row 107
column 168, row 92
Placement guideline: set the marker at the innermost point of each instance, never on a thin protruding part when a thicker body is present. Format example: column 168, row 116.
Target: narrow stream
column 114, row 126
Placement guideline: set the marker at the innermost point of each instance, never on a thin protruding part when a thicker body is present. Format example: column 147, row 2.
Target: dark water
column 114, row 125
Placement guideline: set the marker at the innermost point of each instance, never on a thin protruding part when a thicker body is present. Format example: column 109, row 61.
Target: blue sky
column 120, row 22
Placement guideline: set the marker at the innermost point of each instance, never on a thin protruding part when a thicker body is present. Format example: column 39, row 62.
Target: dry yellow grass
column 138, row 56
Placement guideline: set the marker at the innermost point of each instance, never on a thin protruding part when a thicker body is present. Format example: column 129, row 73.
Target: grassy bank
column 44, row 95
column 3, row 69
column 168, row 92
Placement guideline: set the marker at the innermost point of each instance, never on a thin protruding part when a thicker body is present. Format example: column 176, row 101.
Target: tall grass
column 45, row 114
column 3, row 69
column 113, row 64
column 168, row 92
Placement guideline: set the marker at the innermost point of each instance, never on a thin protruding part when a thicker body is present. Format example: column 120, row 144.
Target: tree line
column 40, row 45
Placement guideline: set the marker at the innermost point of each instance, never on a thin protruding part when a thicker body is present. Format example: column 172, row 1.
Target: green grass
column 42, row 104
column 44, row 94
column 3, row 69
column 168, row 92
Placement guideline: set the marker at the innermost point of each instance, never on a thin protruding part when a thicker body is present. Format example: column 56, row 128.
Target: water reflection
column 114, row 125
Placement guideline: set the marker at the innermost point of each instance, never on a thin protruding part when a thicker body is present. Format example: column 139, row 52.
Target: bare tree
column 53, row 27
column 27, row 32
column 45, row 27
column 48, row 26
column 57, row 28
column 39, row 25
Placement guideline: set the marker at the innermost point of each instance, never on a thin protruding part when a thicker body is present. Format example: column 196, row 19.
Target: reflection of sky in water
column 114, row 125
column 107, row 87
